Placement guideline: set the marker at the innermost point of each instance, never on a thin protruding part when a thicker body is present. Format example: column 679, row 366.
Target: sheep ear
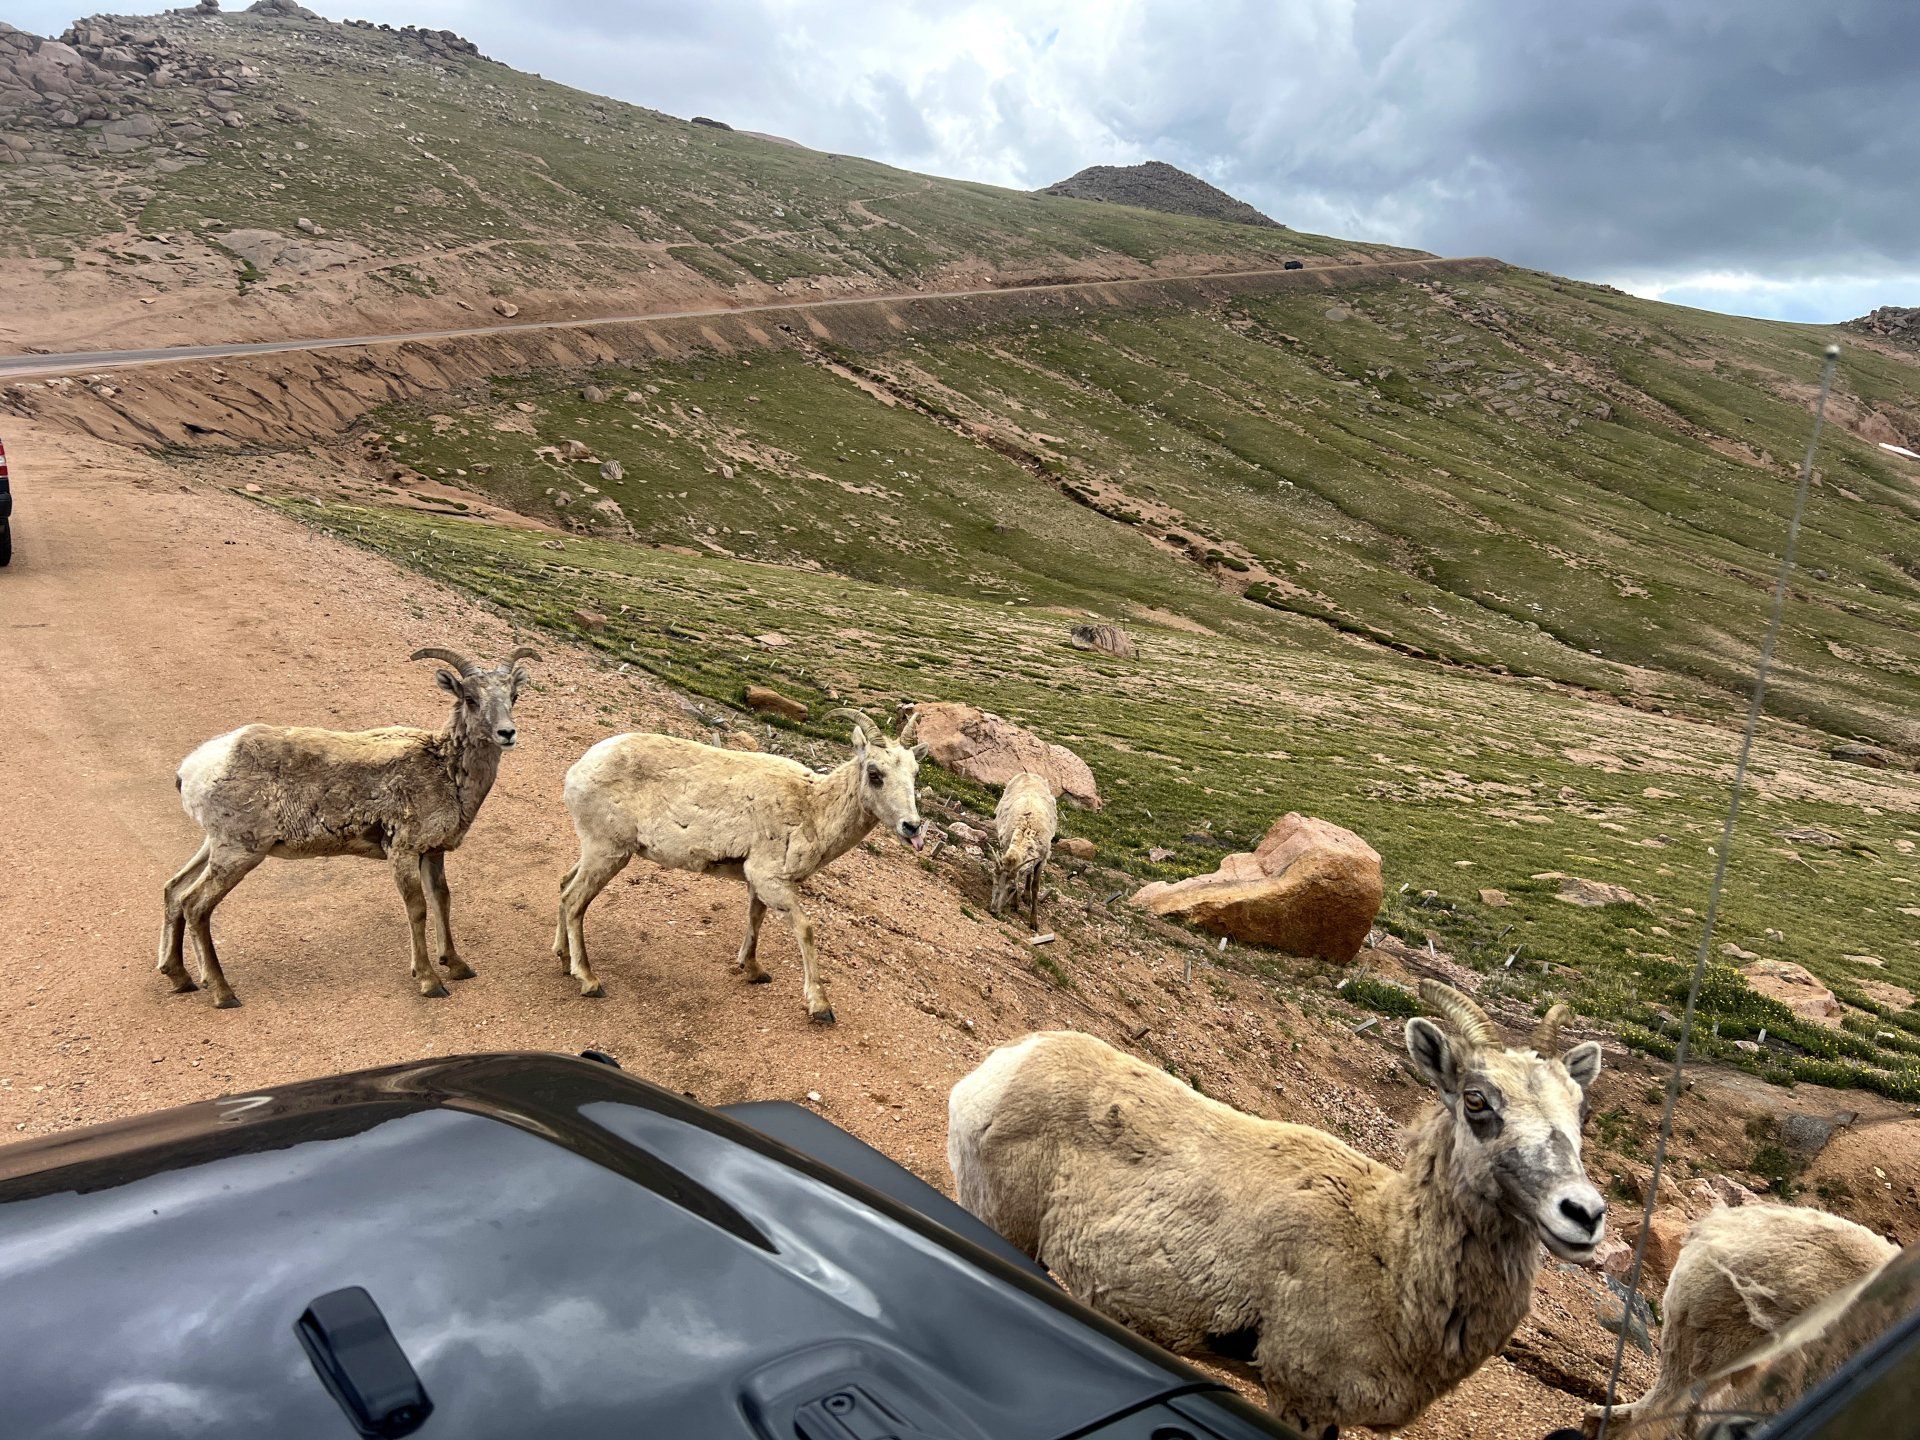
column 449, row 682
column 859, row 742
column 921, row 750
column 1433, row 1055
column 521, row 676
column 1583, row 1063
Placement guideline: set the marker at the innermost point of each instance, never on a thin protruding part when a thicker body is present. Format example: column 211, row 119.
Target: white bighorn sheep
column 294, row 793
column 764, row 819
column 1359, row 1294
column 1741, row 1275
column 1023, row 831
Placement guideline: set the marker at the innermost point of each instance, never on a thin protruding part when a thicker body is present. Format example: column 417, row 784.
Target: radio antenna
column 1719, row 883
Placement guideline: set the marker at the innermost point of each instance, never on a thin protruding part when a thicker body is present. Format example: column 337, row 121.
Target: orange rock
column 1311, row 888
column 984, row 747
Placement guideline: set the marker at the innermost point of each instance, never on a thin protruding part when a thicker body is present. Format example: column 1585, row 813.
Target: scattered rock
column 984, row 747
column 1494, row 898
column 506, row 308
column 590, row 619
column 1109, row 638
column 1795, row 987
column 1310, row 888
column 711, row 124
column 772, row 702
column 1593, row 893
column 593, row 395
column 612, row 470
column 1806, row 1135
column 773, row 640
column 575, row 450
column 1862, row 755
column 1159, row 853
column 1074, row 847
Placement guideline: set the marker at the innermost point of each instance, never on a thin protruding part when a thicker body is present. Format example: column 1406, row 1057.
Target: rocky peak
column 1156, row 185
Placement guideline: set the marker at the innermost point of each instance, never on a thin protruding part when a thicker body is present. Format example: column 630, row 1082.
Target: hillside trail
column 148, row 610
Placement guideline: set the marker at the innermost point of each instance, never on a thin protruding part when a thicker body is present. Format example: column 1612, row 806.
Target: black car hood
column 558, row 1248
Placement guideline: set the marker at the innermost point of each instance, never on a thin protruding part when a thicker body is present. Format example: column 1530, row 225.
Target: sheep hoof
column 759, row 977
column 822, row 1016
column 434, row 990
column 228, row 1001
column 595, row 991
column 183, row 984
column 458, row 969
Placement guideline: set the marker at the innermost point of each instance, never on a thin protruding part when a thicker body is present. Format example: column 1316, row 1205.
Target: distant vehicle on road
column 6, row 509
column 1294, row 265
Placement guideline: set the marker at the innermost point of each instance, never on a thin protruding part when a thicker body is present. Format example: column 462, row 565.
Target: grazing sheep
column 1742, row 1274
column 764, row 819
column 1358, row 1293
column 293, row 793
column 1023, row 829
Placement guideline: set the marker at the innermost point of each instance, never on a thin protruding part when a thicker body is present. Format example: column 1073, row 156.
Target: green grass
column 1461, row 781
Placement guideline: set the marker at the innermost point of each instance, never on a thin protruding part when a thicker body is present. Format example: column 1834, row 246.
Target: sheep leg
column 749, row 963
column 560, row 950
column 1033, row 899
column 433, row 871
column 173, row 933
column 585, row 881
column 780, row 896
column 408, row 866
column 224, row 869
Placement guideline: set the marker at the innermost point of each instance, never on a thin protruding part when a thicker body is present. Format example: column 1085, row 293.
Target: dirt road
column 20, row 367
column 148, row 609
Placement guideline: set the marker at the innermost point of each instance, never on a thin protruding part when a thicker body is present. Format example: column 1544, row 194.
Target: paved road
column 19, row 367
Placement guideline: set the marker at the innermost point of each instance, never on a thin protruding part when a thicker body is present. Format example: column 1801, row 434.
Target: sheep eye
column 1476, row 1102
column 874, row 777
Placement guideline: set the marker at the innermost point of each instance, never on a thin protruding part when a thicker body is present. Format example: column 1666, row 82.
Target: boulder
column 613, row 470
column 1108, row 638
column 1666, row 1233
column 1593, row 893
column 1074, row 847
column 1494, row 898
column 589, row 619
column 1795, row 987
column 772, row 702
column 1310, row 888
column 984, row 747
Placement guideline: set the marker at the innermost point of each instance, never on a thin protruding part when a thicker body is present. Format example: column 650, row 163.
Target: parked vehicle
column 1293, row 265
column 6, row 509
column 531, row 1245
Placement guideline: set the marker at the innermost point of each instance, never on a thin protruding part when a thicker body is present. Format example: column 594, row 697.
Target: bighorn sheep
column 1742, row 1274
column 1023, row 831
column 764, row 819
column 1358, row 1293
column 292, row 792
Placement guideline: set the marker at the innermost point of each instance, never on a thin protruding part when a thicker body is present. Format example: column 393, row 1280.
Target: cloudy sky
column 1758, row 156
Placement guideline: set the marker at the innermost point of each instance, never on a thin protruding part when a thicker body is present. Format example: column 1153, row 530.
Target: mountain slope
column 433, row 183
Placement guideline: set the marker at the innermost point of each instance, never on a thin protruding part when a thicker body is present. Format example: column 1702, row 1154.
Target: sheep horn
column 910, row 729
column 523, row 652
column 451, row 657
column 1468, row 1018
column 862, row 721
column 1546, row 1035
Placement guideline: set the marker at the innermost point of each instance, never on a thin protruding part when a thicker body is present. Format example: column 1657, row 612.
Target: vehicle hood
column 558, row 1248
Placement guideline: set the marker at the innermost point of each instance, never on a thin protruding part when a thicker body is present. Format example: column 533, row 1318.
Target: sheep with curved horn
column 401, row 793
column 763, row 819
column 1357, row 1293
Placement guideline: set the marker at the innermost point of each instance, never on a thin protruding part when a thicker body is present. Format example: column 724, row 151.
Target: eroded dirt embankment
column 294, row 397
